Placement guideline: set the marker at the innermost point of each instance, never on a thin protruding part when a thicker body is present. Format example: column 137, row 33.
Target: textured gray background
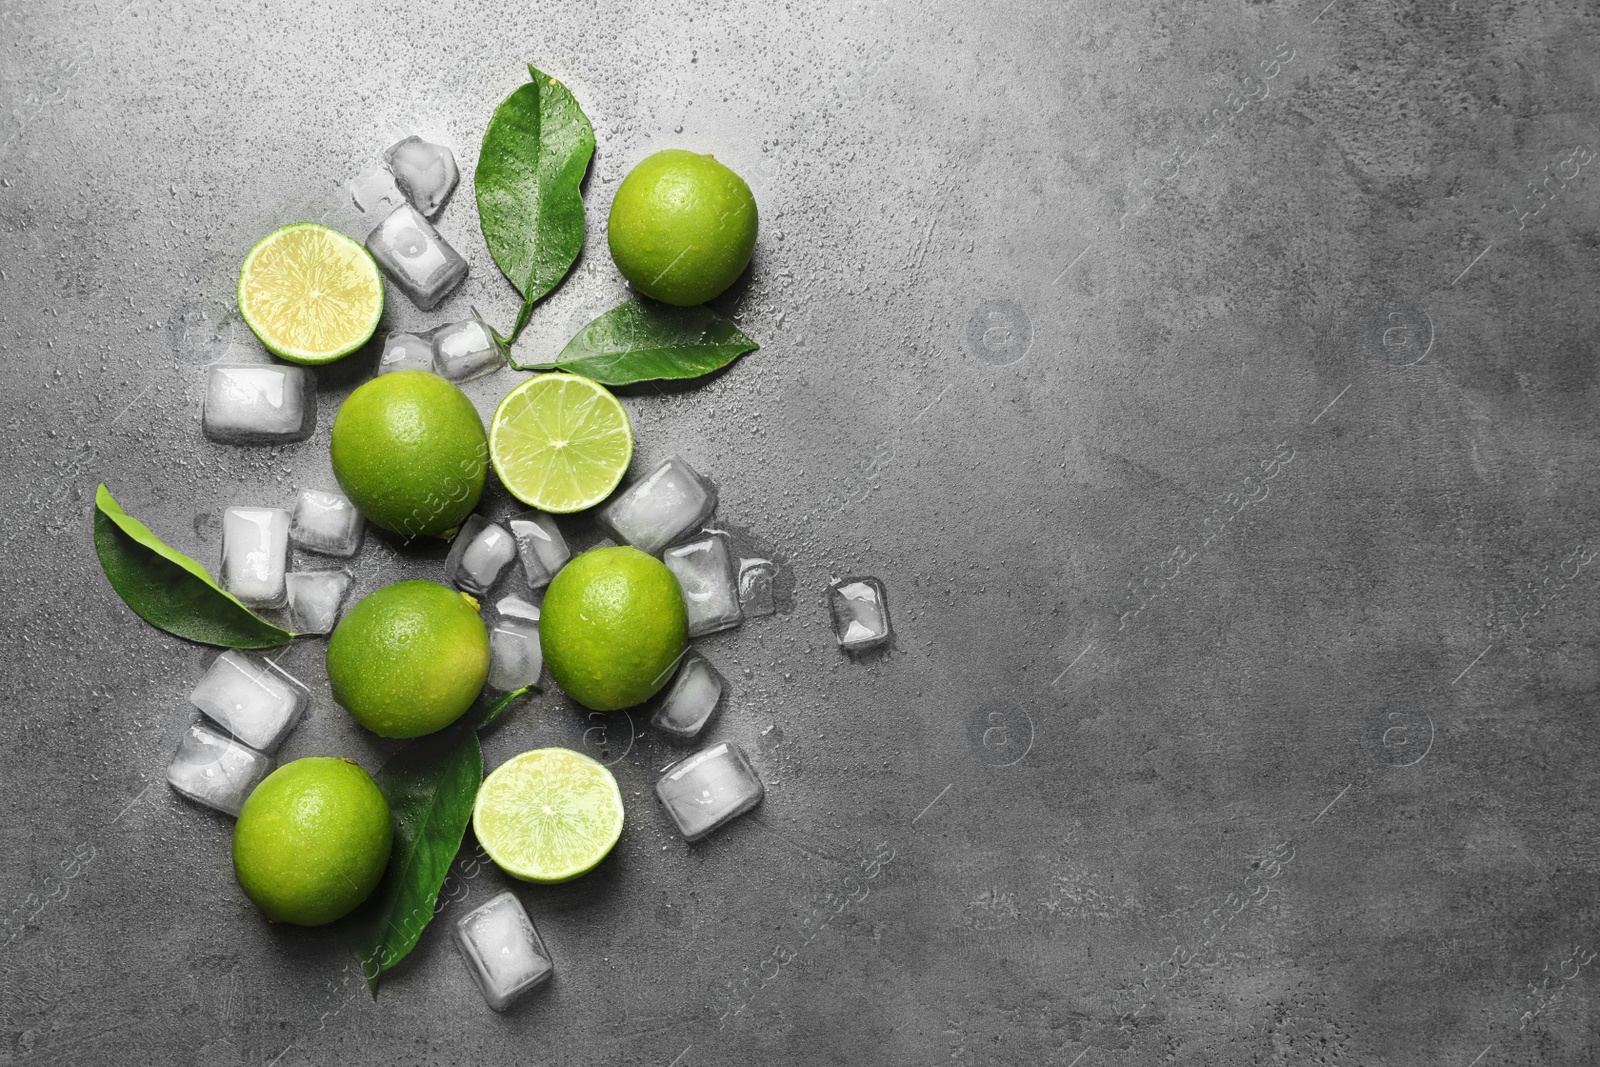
column 1184, row 753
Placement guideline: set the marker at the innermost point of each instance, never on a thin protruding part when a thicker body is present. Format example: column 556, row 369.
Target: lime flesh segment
column 548, row 815
column 311, row 294
column 560, row 442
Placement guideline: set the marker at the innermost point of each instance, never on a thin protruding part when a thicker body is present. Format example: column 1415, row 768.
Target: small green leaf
column 169, row 590
column 644, row 340
column 430, row 785
column 529, row 176
column 498, row 708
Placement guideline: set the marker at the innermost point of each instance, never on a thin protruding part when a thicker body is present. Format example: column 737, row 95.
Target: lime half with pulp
column 548, row 815
column 311, row 294
column 560, row 442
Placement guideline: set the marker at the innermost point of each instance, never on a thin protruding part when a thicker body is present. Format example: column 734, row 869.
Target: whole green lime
column 312, row 841
column 409, row 658
column 682, row 227
column 612, row 627
column 410, row 452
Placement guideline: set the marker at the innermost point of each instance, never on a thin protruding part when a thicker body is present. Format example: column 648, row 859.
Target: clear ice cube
column 704, row 570
column 515, row 658
column 215, row 770
column 686, row 705
column 860, row 616
column 415, row 257
column 514, row 607
column 503, row 950
column 255, row 404
column 406, row 351
column 541, row 547
column 426, row 173
column 255, row 555
column 252, row 699
column 326, row 522
column 653, row 513
column 466, row 350
column 710, row 788
column 374, row 191
column 315, row 599
column 478, row 556
column 755, row 587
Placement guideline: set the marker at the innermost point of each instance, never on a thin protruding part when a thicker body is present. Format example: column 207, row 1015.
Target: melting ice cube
column 860, row 616
column 514, row 607
column 653, row 513
column 708, row 789
column 251, row 698
column 326, row 522
column 406, row 351
column 255, row 555
column 687, row 703
column 540, row 545
column 252, row 404
column 415, row 257
column 515, row 658
column 425, row 172
column 215, row 770
column 478, row 556
column 315, row 599
column 704, row 570
column 374, row 191
column 503, row 950
column 755, row 587
column 466, row 350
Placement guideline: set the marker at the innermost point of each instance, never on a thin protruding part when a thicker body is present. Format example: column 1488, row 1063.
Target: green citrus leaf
column 498, row 708
column 644, row 340
column 529, row 176
column 169, row 590
column 430, row 785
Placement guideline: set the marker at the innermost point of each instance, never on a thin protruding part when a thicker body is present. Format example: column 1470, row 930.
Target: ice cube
column 251, row 698
column 860, row 616
column 315, row 599
column 255, row 555
column 326, row 522
column 406, row 351
column 653, row 513
column 708, row 789
column 478, row 556
column 704, row 570
column 466, row 350
column 415, row 257
column 255, row 404
column 425, row 172
column 215, row 770
column 542, row 548
column 503, row 950
column 755, row 587
column 514, row 607
column 515, row 658
column 685, row 706
column 374, row 191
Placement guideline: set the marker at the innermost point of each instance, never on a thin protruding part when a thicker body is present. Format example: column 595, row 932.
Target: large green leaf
column 169, row 590
column 430, row 785
column 644, row 340
column 530, row 204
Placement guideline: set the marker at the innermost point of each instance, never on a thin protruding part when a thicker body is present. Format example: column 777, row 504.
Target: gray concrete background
column 1212, row 385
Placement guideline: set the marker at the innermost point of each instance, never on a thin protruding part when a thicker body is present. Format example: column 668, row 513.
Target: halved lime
column 548, row 815
column 560, row 442
column 310, row 294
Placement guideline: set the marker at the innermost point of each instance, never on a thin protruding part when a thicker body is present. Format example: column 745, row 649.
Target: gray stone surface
column 1184, row 753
